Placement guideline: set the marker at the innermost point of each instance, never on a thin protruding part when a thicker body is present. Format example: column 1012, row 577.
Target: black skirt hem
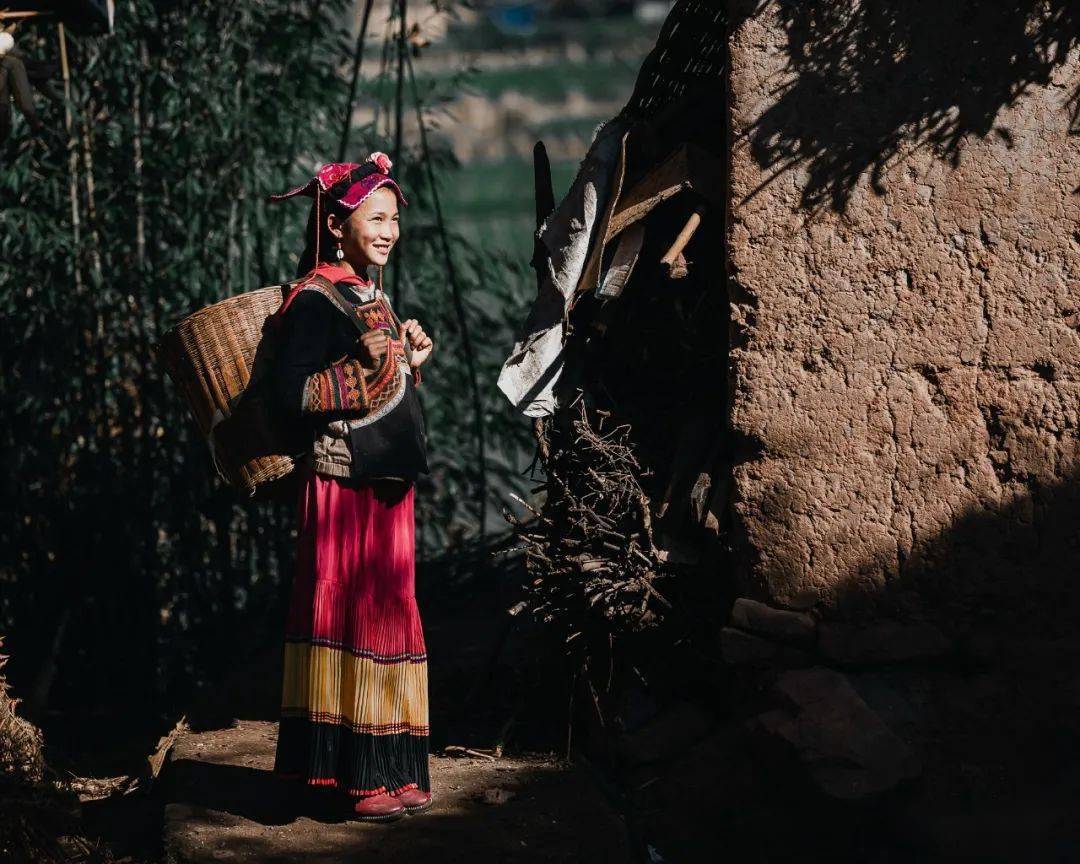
column 357, row 763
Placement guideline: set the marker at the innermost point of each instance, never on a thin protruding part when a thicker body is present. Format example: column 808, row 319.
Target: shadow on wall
column 1020, row 556
column 1016, row 558
column 867, row 77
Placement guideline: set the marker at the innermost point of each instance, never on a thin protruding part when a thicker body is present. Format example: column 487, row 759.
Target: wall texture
column 905, row 248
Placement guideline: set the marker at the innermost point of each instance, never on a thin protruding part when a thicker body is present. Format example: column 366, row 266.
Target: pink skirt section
column 355, row 575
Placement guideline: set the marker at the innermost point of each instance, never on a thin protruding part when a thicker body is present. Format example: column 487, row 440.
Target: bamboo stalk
column 73, row 158
column 399, row 105
column 358, row 57
column 243, row 112
column 384, row 65
column 399, row 99
column 286, row 168
column 91, row 208
column 459, row 310
column 137, row 164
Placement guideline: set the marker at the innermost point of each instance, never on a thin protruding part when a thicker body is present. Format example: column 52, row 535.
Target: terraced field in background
column 556, row 85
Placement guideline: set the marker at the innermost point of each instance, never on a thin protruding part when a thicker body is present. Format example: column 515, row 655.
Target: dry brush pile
column 39, row 812
column 24, row 833
column 590, row 551
column 21, row 757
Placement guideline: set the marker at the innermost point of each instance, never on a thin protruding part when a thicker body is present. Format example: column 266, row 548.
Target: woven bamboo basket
column 211, row 356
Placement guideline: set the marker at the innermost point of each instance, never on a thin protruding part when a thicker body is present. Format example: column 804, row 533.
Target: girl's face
column 371, row 231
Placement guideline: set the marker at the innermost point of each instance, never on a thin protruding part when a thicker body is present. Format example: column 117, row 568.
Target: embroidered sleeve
column 340, row 387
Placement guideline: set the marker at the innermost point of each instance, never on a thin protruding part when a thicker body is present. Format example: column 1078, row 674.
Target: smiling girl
column 354, row 712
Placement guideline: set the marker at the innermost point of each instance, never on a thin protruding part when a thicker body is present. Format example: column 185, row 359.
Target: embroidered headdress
column 348, row 183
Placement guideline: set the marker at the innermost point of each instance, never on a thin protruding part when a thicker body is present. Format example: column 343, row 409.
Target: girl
column 354, row 713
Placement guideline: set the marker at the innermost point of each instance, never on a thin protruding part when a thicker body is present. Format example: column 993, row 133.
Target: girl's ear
column 335, row 225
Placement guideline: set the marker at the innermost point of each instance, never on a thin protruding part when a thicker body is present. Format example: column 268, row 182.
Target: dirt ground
column 995, row 723
column 226, row 805
column 494, row 681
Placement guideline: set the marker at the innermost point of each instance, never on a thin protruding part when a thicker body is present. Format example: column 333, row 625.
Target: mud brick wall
column 905, row 252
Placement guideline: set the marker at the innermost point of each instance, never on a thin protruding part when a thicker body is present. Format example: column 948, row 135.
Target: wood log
column 684, row 238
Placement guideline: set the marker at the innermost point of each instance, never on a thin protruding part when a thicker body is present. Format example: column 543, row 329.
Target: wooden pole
column 399, row 105
column 73, row 158
column 545, row 200
column 545, row 193
column 22, row 15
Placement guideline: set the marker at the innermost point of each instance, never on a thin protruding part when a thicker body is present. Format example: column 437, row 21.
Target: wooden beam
column 21, row 15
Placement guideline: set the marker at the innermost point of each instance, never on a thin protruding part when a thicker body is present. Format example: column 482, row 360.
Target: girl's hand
column 373, row 345
column 419, row 342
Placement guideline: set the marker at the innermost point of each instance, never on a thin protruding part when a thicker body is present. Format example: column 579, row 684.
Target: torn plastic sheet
column 529, row 376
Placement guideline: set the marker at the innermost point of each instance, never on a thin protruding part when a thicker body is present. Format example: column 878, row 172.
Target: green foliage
column 114, row 534
column 489, row 211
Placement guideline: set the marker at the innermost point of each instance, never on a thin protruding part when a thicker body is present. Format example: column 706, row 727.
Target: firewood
column 685, row 235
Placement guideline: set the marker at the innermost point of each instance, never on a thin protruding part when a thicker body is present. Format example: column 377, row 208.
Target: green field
column 493, row 201
column 596, row 79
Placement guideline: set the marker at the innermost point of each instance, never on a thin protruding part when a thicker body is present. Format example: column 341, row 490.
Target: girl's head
column 367, row 235
column 355, row 209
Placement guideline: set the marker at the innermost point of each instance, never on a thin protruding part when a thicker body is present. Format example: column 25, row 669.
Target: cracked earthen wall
column 905, row 368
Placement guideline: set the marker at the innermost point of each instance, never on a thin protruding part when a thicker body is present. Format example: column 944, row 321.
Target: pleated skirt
column 354, row 705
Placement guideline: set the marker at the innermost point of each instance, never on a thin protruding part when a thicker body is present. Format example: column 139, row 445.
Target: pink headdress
column 348, row 183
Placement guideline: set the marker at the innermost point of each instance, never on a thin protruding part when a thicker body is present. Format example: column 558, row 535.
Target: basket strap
column 316, row 281
column 332, row 292
column 346, row 304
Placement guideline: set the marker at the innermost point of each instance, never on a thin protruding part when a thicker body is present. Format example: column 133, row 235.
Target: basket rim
column 192, row 318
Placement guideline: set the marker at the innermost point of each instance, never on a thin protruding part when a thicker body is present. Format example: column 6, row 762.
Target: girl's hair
column 318, row 236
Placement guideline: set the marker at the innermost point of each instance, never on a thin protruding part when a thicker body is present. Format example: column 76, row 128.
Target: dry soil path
column 227, row 806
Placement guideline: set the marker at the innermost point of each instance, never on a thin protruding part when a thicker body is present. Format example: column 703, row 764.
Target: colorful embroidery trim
column 347, row 386
column 341, row 387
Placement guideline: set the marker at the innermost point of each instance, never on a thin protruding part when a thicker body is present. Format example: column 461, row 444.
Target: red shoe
column 415, row 800
column 378, row 808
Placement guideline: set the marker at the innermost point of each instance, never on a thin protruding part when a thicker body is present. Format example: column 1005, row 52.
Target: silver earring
column 340, row 253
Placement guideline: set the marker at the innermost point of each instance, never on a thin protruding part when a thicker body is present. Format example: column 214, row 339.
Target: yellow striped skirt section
column 332, row 685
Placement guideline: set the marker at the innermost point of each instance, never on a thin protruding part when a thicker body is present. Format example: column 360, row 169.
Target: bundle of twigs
column 39, row 813
column 21, row 756
column 590, row 549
